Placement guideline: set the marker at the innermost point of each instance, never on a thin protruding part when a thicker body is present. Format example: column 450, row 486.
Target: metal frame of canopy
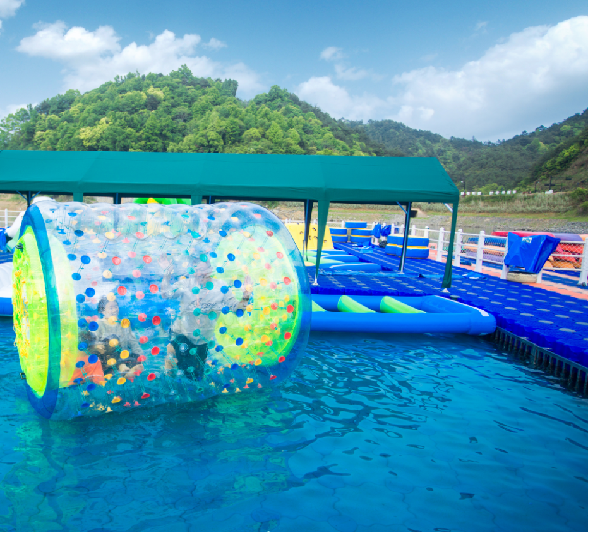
column 214, row 177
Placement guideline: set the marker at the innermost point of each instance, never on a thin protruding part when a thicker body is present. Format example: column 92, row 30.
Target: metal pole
column 504, row 269
column 440, row 247
column 584, row 260
column 405, row 237
column 457, row 248
column 480, row 251
column 308, row 205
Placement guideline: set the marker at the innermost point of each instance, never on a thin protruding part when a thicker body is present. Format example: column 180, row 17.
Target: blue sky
column 461, row 68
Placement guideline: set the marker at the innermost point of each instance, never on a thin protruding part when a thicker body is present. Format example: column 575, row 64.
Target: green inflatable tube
column 390, row 305
column 347, row 305
column 164, row 201
column 316, row 308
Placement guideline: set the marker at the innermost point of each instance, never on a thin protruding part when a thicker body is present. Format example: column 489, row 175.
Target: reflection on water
column 405, row 432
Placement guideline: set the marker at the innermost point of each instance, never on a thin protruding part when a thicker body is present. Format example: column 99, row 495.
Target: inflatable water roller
column 120, row 307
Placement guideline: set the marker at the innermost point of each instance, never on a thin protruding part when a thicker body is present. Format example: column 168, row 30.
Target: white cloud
column 215, row 44
column 332, row 53
column 537, row 76
column 342, row 69
column 336, row 100
column 94, row 57
column 8, row 9
column 72, row 46
column 514, row 83
column 481, row 26
column 350, row 73
column 11, row 108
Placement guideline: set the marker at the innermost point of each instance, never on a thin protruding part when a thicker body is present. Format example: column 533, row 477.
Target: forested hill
column 181, row 113
column 519, row 161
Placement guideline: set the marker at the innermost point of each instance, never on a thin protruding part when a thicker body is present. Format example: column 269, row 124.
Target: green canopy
column 321, row 179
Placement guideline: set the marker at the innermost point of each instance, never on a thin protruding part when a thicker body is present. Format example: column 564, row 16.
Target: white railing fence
column 481, row 248
column 7, row 217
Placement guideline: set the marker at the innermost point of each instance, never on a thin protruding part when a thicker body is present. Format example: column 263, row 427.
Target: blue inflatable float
column 377, row 314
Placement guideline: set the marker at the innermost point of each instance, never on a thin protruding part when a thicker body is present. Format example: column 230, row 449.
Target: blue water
column 381, row 434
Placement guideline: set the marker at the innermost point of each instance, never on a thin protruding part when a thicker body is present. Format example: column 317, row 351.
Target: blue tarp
column 381, row 231
column 529, row 253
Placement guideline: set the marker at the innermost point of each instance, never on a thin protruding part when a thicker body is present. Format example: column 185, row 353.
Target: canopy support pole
column 195, row 199
column 322, row 222
column 308, row 214
column 29, row 197
column 405, row 237
column 447, row 281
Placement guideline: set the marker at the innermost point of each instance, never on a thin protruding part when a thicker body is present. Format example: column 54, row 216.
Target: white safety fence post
column 480, row 252
column 426, row 232
column 504, row 270
column 584, row 261
column 413, row 230
column 457, row 248
column 6, row 218
column 440, row 247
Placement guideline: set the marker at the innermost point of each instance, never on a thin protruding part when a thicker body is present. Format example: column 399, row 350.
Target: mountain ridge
column 180, row 112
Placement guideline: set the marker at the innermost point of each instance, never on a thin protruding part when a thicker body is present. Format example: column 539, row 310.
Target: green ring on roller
column 30, row 317
column 62, row 331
